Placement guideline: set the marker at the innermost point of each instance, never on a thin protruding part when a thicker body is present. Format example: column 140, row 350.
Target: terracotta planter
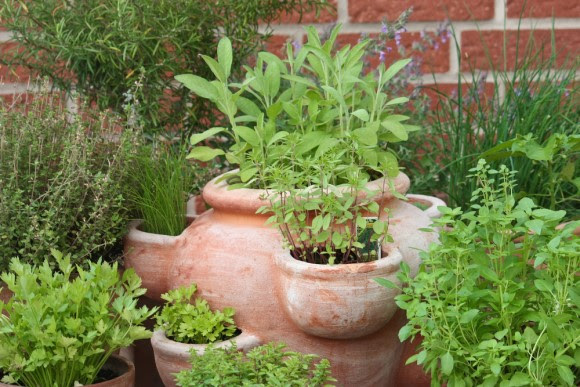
column 230, row 253
column 118, row 365
column 430, row 202
column 172, row 357
column 338, row 301
column 146, row 253
column 196, row 206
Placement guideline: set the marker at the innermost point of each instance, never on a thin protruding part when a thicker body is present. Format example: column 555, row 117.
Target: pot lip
column 432, row 201
column 134, row 234
column 124, row 378
column 162, row 343
column 387, row 265
column 248, row 200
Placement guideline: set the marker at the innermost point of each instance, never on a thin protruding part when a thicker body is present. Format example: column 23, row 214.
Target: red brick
column 372, row 11
column 543, row 8
column 276, row 44
column 484, row 50
column 15, row 100
column 14, row 73
column 433, row 60
column 327, row 15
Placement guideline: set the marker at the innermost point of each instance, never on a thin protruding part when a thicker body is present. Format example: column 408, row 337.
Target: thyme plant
column 312, row 131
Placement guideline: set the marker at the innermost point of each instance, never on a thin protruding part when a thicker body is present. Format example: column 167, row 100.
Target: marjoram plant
column 266, row 365
column 497, row 300
column 194, row 323
column 60, row 327
column 312, row 131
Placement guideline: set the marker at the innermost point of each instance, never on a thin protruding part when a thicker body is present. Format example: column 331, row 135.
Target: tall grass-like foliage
column 63, row 181
column 540, row 101
column 163, row 179
column 106, row 44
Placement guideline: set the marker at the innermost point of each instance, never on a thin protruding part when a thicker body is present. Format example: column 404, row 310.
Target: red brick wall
column 489, row 16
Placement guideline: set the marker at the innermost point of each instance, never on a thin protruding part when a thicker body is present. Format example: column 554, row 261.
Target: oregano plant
column 497, row 300
column 267, row 365
column 311, row 130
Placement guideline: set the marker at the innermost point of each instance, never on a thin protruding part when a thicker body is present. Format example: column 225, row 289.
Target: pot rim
column 386, row 265
column 248, row 200
column 161, row 342
column 137, row 235
column 123, row 378
column 432, row 201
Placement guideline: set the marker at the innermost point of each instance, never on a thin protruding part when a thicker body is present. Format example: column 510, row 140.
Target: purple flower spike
column 567, row 93
column 389, row 49
column 382, row 56
column 397, row 38
column 297, row 45
column 384, row 28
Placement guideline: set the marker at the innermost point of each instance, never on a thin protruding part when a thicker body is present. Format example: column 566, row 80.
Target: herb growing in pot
column 194, row 323
column 61, row 327
column 496, row 302
column 185, row 325
column 311, row 130
column 267, row 365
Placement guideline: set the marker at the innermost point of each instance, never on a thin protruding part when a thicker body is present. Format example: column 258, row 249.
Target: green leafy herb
column 497, row 301
column 194, row 323
column 267, row 365
column 60, row 327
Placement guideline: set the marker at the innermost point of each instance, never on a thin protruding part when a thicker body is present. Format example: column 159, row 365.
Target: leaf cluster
column 497, row 300
column 194, row 323
column 61, row 326
column 64, row 181
column 266, row 365
column 162, row 181
column 538, row 97
column 98, row 47
column 310, row 125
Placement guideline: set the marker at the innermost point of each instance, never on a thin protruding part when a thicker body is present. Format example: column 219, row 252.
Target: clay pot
column 119, row 366
column 146, row 253
column 338, row 301
column 195, row 206
column 172, row 357
column 430, row 202
column 230, row 252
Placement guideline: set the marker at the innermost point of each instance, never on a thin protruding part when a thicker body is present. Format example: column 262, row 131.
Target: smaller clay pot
column 172, row 357
column 338, row 301
column 430, row 201
column 119, row 366
column 150, row 255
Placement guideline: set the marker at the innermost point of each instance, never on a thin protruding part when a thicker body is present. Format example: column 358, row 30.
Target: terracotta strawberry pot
column 230, row 253
column 338, row 301
column 172, row 357
column 116, row 365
